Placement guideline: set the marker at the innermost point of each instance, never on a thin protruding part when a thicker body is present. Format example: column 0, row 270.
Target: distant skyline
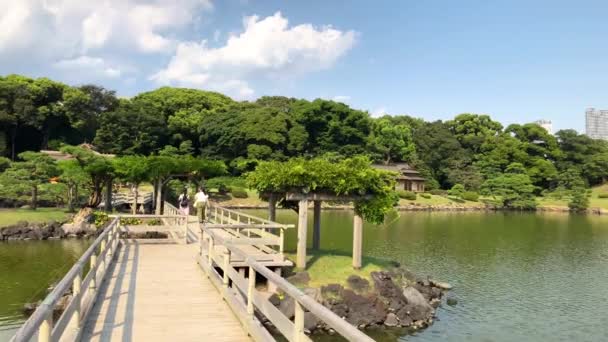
column 519, row 61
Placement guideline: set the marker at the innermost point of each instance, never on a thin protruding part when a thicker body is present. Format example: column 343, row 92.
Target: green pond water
column 27, row 268
column 518, row 277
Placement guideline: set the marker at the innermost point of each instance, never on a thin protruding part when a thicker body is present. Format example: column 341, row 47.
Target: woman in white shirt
column 200, row 202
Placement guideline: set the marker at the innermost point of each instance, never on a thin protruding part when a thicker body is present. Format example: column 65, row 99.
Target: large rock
column 364, row 310
column 288, row 307
column 387, row 289
column 418, row 307
column 391, row 320
column 310, row 321
column 357, row 283
column 339, row 309
column 332, row 293
column 299, row 279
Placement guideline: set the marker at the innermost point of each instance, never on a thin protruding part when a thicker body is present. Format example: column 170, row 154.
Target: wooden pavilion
column 304, row 200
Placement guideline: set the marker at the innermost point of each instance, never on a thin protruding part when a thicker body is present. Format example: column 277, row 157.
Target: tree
column 514, row 188
column 34, row 170
column 74, row 176
column 133, row 128
column 439, row 150
column 393, row 142
column 99, row 169
column 132, row 169
column 472, row 130
column 457, row 190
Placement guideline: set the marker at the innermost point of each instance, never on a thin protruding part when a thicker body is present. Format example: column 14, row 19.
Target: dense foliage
column 350, row 176
column 470, row 150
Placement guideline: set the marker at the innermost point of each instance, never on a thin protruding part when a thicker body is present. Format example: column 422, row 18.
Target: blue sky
column 516, row 60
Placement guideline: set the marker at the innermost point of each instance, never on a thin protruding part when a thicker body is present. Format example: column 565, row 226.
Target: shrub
column 425, row 195
column 408, row 195
column 470, row 196
column 239, row 192
column 457, row 190
column 603, row 195
column 130, row 221
column 579, row 201
column 100, row 218
column 438, row 192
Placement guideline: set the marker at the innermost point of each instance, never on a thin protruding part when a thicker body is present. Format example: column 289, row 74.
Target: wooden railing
column 248, row 229
column 68, row 326
column 244, row 299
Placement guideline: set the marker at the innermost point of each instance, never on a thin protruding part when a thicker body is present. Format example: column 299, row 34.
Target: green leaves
column 351, row 176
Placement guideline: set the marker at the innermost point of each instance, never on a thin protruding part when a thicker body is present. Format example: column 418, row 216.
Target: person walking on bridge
column 200, row 202
column 183, row 202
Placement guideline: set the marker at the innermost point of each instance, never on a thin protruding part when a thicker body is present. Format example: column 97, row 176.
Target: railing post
column 282, row 240
column 226, row 280
column 46, row 328
column 210, row 254
column 250, row 291
column 93, row 283
column 76, row 288
column 299, row 323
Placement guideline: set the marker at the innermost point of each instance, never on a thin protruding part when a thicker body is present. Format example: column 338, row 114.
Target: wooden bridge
column 125, row 289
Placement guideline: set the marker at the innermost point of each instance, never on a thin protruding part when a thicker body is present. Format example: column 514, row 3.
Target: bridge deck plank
column 157, row 293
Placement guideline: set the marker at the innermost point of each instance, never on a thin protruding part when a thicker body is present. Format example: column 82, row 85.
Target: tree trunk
column 13, row 140
column 71, row 190
column 34, row 197
column 159, row 196
column 45, row 138
column 135, row 199
column 108, row 205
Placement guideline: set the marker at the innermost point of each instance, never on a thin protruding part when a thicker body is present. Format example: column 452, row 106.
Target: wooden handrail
column 344, row 328
column 41, row 320
column 261, row 220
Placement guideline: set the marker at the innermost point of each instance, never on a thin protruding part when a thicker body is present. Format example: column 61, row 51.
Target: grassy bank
column 12, row 216
column 328, row 267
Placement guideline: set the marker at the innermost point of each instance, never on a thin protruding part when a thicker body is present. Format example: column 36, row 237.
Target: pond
column 517, row 276
column 27, row 268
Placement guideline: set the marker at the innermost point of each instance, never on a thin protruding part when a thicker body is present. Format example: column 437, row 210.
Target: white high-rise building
column 596, row 123
column 546, row 124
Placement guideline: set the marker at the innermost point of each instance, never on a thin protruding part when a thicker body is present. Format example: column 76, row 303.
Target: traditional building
column 408, row 179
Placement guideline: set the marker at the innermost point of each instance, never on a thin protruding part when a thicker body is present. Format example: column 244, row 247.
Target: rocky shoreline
column 52, row 230
column 393, row 299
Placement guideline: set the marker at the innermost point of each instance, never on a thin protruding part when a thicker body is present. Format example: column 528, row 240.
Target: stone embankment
column 78, row 227
column 395, row 298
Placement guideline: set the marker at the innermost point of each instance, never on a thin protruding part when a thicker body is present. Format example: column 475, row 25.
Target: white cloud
column 267, row 47
column 65, row 28
column 90, row 66
column 341, row 98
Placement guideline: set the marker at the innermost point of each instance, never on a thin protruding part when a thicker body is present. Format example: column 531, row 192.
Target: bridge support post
column 302, row 234
column 316, row 231
column 250, row 291
column 357, row 240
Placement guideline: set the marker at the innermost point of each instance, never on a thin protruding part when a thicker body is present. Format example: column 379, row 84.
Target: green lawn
column 594, row 200
column 437, row 200
column 327, row 267
column 12, row 216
